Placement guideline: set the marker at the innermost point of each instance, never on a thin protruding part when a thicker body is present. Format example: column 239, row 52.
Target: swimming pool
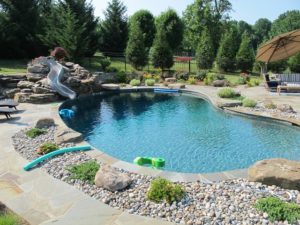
column 187, row 131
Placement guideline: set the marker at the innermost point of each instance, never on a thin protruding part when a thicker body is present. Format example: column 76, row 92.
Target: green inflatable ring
column 154, row 162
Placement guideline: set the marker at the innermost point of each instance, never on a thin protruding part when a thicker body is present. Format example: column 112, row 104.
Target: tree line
column 29, row 28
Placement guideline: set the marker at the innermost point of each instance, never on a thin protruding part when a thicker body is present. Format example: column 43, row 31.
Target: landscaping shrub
column 121, row 77
column 227, row 93
column 270, row 105
column 48, row 147
column 219, row 77
column 191, row 80
column 105, row 63
column 135, row 82
column 278, row 209
column 242, row 80
column 162, row 189
column 253, row 83
column 210, row 77
column 150, row 82
column 85, row 171
column 111, row 69
column 34, row 132
column 9, row 219
column 249, row 103
column 156, row 78
column 201, row 75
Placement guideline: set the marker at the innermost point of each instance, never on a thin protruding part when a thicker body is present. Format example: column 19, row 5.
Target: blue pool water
column 187, row 131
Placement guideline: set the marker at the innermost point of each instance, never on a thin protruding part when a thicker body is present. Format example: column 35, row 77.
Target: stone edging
column 173, row 176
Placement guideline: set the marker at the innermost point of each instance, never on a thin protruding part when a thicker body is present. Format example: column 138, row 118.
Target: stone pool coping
column 171, row 175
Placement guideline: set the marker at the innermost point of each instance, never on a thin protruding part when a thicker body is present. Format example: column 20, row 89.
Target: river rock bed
column 226, row 202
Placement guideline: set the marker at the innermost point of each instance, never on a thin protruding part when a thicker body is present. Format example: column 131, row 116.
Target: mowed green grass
column 16, row 66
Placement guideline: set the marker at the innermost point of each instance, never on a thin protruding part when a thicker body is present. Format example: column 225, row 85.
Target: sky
column 247, row 10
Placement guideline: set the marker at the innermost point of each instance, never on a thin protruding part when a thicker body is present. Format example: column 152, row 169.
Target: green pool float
column 155, row 162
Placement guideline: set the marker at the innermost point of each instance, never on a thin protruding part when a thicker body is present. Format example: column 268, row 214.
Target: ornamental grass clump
column 247, row 102
column 278, row 209
column 85, row 171
column 34, row 132
column 150, row 82
column 47, row 148
column 162, row 189
column 227, row 93
column 135, row 82
column 8, row 218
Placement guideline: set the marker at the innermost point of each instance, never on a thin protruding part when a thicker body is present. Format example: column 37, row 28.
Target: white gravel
column 226, row 202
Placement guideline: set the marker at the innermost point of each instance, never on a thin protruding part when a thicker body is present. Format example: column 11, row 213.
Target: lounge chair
column 9, row 103
column 6, row 112
column 271, row 84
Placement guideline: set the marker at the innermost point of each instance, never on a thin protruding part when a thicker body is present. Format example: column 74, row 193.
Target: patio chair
column 271, row 84
column 9, row 103
column 6, row 112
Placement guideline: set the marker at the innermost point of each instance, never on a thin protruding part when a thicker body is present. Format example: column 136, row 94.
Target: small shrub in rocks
column 150, row 82
column 191, row 80
column 162, row 189
column 34, row 132
column 47, row 147
column 8, row 218
column 270, row 105
column 135, row 82
column 249, row 103
column 227, row 93
column 85, row 171
column 278, row 209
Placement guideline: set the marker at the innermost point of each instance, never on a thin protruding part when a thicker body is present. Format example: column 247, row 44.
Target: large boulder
column 285, row 108
column 171, row 80
column 42, row 98
column 111, row 179
column 38, row 68
column 110, row 86
column 72, row 82
column 34, row 77
column 43, row 82
column 281, row 172
column 10, row 93
column 176, row 86
column 67, row 136
column 44, row 123
column 22, row 97
column 219, row 83
column 25, row 84
column 41, row 90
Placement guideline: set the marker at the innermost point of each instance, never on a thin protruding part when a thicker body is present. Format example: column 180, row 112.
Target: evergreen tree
column 136, row 52
column 83, row 11
column 114, row 28
column 205, row 51
column 227, row 50
column 172, row 25
column 146, row 23
column 63, row 30
column 261, row 29
column 245, row 56
column 19, row 28
column 294, row 63
column 161, row 53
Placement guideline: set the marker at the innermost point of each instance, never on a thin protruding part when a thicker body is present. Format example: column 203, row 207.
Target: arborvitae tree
column 205, row 51
column 146, row 23
column 227, row 50
column 294, row 63
column 245, row 56
column 172, row 25
column 84, row 14
column 19, row 28
column 136, row 53
column 161, row 53
column 114, row 28
column 63, row 30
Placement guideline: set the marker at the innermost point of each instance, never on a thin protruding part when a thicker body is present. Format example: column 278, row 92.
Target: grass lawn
column 13, row 66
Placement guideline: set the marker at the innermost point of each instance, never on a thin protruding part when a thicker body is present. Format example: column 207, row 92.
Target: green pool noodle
column 155, row 162
column 54, row 153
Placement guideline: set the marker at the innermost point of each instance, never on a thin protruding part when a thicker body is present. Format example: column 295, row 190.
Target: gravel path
column 226, row 202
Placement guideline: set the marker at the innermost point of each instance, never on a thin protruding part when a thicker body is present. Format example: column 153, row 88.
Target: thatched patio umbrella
column 280, row 47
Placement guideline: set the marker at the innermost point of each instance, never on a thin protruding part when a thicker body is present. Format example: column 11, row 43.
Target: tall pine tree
column 83, row 11
column 114, row 28
column 136, row 53
column 245, row 56
column 19, row 28
column 205, row 52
